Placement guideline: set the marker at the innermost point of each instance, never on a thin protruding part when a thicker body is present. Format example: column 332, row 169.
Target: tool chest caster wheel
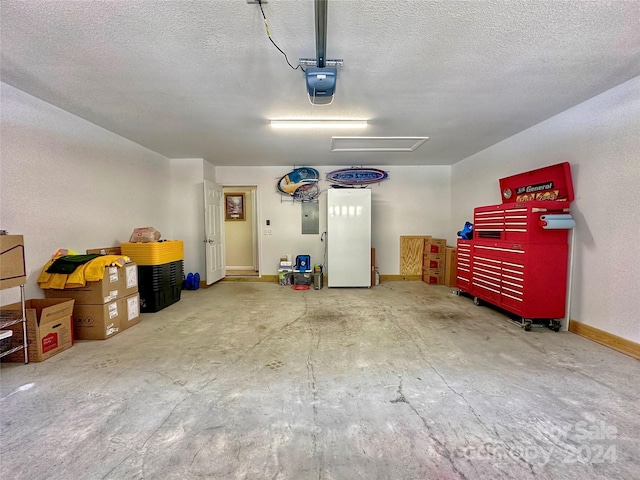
column 477, row 301
column 527, row 325
column 555, row 325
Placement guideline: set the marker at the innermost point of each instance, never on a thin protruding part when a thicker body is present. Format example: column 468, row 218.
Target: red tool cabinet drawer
column 502, row 250
column 518, row 222
column 463, row 274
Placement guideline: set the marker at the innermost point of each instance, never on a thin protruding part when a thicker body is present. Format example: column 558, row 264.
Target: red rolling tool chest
column 518, row 257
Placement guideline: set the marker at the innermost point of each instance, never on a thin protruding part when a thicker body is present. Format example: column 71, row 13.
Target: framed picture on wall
column 234, row 206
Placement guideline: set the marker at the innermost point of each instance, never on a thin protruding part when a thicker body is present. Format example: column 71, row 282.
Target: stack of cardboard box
column 106, row 307
column 439, row 264
column 433, row 263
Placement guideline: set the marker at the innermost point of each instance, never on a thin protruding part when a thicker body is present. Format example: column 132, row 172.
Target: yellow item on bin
column 154, row 253
column 91, row 271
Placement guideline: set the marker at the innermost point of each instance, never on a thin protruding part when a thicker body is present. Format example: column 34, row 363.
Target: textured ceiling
column 201, row 79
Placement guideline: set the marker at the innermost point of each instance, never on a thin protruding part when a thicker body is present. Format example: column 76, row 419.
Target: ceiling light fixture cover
column 317, row 124
column 376, row 144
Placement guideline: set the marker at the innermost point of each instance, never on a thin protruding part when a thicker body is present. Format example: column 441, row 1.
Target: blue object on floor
column 189, row 281
column 196, row 281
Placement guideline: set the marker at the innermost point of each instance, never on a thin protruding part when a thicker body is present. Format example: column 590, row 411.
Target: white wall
column 67, row 183
column 601, row 140
column 209, row 171
column 413, row 201
column 187, row 210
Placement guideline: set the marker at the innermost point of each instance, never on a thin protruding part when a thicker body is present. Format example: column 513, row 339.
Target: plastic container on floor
column 159, row 285
column 160, row 277
column 154, row 301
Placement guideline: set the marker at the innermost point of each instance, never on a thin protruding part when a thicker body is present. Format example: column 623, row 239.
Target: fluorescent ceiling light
column 317, row 124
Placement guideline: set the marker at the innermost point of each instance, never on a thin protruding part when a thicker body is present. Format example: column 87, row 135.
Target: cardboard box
column 93, row 293
column 451, row 266
column 12, row 269
column 435, row 245
column 129, row 279
column 49, row 328
column 434, row 260
column 433, row 276
column 131, row 308
column 97, row 322
column 118, row 282
column 106, row 251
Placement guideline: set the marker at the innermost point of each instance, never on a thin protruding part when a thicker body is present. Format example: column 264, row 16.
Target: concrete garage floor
column 254, row 380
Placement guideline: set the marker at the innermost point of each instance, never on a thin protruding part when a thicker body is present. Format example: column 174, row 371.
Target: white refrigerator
column 349, row 237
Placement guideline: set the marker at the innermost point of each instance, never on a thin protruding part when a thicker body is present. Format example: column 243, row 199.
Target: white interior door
column 214, row 231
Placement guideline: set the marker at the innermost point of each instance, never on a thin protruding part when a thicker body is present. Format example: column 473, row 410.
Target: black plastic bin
column 159, row 277
column 154, row 301
column 159, row 285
